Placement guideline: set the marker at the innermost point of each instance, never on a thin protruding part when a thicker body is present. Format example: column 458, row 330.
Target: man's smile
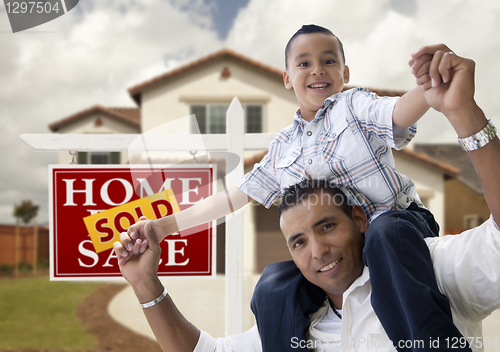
column 330, row 266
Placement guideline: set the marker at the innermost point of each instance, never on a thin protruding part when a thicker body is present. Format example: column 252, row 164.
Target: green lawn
column 36, row 313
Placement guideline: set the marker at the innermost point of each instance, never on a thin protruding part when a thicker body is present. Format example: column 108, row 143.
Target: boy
column 345, row 138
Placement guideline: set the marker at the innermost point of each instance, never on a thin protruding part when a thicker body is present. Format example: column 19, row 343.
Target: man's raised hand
column 448, row 79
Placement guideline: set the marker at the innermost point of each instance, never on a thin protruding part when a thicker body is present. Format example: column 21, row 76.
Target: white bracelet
column 480, row 139
column 156, row 300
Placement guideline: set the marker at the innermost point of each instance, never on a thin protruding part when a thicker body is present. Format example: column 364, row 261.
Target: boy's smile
column 315, row 71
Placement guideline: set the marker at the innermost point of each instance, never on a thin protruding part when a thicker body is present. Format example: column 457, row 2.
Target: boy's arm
column 413, row 105
column 209, row 209
column 410, row 108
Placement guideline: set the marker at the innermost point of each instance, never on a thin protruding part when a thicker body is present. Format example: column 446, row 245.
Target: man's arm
column 486, row 160
column 467, row 266
column 449, row 87
column 173, row 331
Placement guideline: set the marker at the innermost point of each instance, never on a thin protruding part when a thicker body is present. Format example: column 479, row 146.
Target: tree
column 25, row 212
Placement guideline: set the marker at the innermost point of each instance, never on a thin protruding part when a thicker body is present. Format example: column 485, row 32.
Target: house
column 205, row 87
column 465, row 204
column 98, row 120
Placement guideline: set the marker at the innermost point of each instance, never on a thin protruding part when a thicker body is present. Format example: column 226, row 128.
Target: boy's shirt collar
column 299, row 122
column 332, row 99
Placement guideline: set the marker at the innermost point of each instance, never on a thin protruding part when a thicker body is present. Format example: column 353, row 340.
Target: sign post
column 81, row 192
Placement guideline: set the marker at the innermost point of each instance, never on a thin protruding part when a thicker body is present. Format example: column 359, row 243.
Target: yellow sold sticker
column 105, row 227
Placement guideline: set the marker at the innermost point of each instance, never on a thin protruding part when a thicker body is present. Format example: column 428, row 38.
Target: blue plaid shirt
column 348, row 143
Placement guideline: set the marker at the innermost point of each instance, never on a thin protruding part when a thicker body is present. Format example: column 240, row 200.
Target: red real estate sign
column 76, row 192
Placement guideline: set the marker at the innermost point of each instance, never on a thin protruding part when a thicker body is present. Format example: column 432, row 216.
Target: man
column 326, row 237
column 335, row 266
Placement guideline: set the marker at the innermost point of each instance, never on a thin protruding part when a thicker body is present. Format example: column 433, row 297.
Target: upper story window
column 471, row 221
column 211, row 118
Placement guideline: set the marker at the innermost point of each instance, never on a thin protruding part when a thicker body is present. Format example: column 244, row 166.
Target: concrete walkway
column 202, row 303
column 200, row 300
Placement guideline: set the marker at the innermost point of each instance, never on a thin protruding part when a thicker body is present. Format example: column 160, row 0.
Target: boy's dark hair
column 308, row 29
column 296, row 194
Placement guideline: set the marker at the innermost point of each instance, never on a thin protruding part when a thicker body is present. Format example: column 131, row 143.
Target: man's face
column 315, row 71
column 325, row 243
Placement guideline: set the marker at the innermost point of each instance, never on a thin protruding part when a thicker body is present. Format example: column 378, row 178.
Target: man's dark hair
column 308, row 29
column 296, row 194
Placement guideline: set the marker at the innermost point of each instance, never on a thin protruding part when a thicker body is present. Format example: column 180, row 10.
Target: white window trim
column 473, row 218
column 206, row 105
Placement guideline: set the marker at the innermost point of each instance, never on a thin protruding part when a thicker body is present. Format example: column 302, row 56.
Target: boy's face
column 315, row 71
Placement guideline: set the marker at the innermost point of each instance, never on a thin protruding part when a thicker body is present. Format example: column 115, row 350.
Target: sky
column 92, row 54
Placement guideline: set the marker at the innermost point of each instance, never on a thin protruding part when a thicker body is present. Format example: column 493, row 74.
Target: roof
column 130, row 116
column 222, row 54
column 135, row 91
column 454, row 155
column 447, row 169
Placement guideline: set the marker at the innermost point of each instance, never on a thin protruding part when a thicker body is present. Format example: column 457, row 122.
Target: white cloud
column 99, row 49
column 90, row 55
column 263, row 28
column 378, row 41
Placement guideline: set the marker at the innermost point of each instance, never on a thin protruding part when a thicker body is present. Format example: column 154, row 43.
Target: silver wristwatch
column 479, row 139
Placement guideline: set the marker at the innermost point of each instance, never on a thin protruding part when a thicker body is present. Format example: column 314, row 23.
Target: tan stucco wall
column 205, row 85
column 461, row 201
column 429, row 183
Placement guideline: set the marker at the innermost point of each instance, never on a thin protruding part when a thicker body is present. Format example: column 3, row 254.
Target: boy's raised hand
column 420, row 64
column 137, row 235
column 134, row 241
column 141, row 262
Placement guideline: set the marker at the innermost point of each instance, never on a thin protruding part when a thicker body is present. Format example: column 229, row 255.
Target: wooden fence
column 26, row 244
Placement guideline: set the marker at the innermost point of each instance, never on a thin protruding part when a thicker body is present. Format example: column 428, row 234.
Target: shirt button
column 310, row 161
column 309, row 133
